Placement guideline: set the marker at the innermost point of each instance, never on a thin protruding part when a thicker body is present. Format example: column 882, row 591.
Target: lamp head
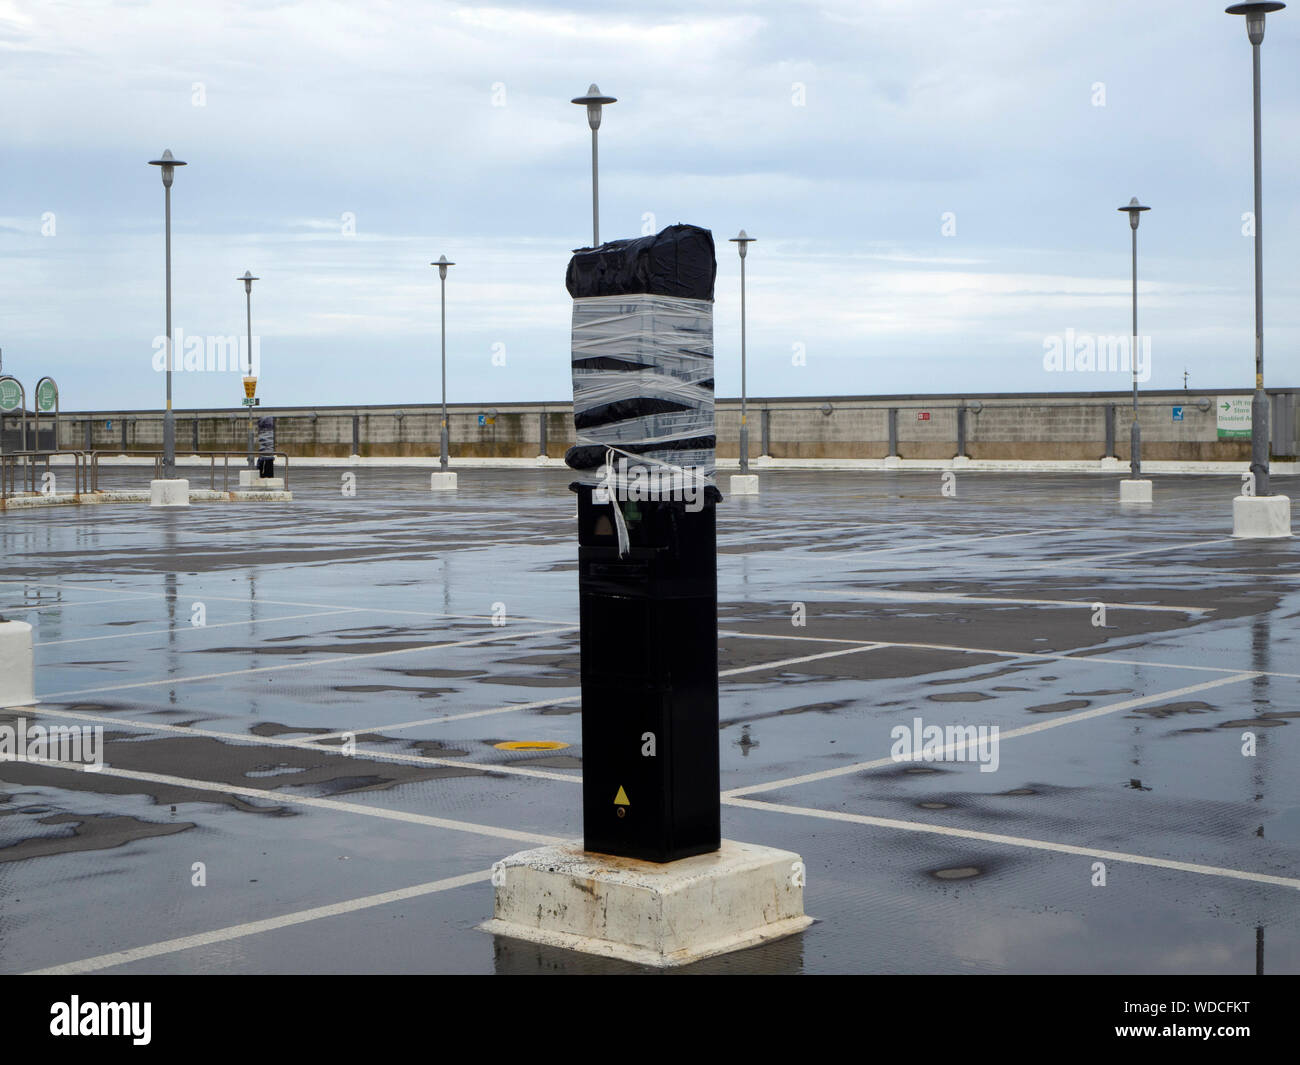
column 742, row 241
column 1134, row 210
column 248, row 280
column 169, row 164
column 1255, row 13
column 442, row 265
column 594, row 101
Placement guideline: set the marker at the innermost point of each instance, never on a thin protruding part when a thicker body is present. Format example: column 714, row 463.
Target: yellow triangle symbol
column 621, row 798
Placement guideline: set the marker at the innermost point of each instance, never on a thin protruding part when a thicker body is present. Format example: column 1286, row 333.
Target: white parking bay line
column 249, row 739
column 511, row 707
column 1037, row 726
column 252, row 928
column 1017, row 841
column 309, row 664
column 281, row 797
column 200, row 628
column 989, row 600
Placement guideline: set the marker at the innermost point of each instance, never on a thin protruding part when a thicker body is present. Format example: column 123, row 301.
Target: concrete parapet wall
column 1063, row 426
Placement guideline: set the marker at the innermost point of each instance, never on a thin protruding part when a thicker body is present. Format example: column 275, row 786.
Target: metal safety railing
column 29, row 469
column 281, row 459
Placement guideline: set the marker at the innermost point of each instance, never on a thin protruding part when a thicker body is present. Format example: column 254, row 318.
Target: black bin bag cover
column 643, row 353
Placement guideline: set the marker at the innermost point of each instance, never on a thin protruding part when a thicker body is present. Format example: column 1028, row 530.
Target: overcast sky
column 840, row 134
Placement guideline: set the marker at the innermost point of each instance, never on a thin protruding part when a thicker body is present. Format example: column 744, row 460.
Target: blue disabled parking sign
column 1178, row 414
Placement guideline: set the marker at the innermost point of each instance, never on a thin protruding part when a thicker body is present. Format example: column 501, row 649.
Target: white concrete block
column 1135, row 491
column 960, row 460
column 169, row 493
column 440, row 482
column 744, row 484
column 250, row 481
column 892, row 462
column 17, row 674
column 1109, row 463
column 646, row 912
column 1261, row 517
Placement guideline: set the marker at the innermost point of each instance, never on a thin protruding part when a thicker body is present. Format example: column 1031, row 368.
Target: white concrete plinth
column 959, row 461
column 744, row 484
column 169, row 493
column 1110, row 462
column 650, row 913
column 1135, row 491
column 1261, row 517
column 442, row 482
column 17, row 675
column 249, row 480
column 892, row 462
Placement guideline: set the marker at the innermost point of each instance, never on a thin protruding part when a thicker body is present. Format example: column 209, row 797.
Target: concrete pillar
column 17, row 672
column 893, row 432
column 541, row 433
column 1110, row 431
column 90, row 428
column 196, row 434
column 356, row 434
column 766, row 431
column 961, row 431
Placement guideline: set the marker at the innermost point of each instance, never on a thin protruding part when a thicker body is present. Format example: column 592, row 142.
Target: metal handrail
column 31, row 461
column 211, row 456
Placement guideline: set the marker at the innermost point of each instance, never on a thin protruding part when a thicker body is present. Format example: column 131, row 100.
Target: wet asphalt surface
column 431, row 627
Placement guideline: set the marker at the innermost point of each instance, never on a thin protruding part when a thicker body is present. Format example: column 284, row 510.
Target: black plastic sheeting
column 677, row 261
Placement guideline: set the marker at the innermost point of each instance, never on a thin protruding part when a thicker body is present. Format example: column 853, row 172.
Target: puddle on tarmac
column 959, row 697
column 961, row 872
column 1057, row 708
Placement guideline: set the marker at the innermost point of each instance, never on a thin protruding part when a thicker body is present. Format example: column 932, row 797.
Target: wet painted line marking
column 957, row 597
column 1052, row 656
column 1124, row 554
column 780, row 662
column 280, row 798
column 506, row 709
column 54, row 604
column 309, row 664
column 1026, row 730
column 941, row 543
column 253, row 928
column 68, row 586
column 1018, row 841
column 313, row 744
column 198, row 628
column 510, row 708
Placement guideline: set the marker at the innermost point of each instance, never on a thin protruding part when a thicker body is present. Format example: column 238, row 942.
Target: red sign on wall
column 923, row 416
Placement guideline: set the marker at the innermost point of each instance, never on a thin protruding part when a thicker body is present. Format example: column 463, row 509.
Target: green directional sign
column 11, row 394
column 1234, row 417
column 251, row 402
column 47, row 395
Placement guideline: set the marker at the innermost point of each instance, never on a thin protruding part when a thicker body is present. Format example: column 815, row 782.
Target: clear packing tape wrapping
column 643, row 388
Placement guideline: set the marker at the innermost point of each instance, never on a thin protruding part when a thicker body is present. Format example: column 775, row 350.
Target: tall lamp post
column 1259, row 435
column 168, row 163
column 742, row 242
column 1134, row 211
column 248, row 280
column 442, row 265
column 594, row 101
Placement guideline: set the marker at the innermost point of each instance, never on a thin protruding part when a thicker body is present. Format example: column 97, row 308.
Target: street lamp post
column 594, row 101
column 742, row 242
column 1134, row 211
column 248, row 280
column 442, row 265
column 168, row 164
column 1259, row 435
